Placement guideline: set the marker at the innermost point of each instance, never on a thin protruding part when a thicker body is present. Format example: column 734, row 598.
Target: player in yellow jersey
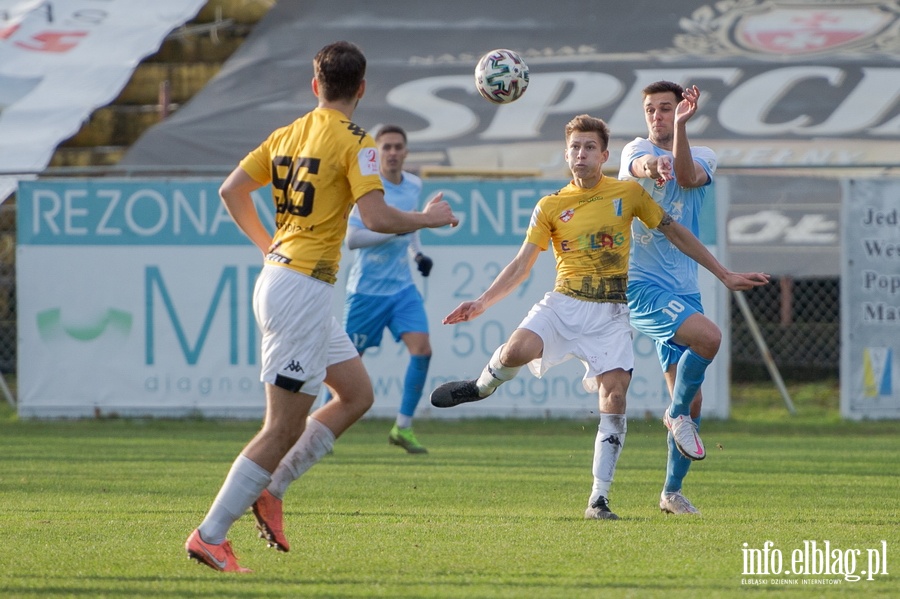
column 588, row 223
column 319, row 167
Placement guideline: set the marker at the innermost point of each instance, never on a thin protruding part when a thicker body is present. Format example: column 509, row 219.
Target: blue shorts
column 659, row 313
column 366, row 316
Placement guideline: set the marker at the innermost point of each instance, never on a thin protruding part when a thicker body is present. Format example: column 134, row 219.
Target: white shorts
column 598, row 334
column 300, row 337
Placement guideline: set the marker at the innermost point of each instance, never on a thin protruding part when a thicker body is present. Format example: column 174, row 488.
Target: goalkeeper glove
column 425, row 263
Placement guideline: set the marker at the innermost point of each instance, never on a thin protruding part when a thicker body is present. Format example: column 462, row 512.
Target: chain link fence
column 8, row 334
column 800, row 322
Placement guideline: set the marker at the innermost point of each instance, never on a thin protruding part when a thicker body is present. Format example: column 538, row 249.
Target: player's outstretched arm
column 439, row 212
column 360, row 237
column 465, row 311
column 383, row 218
column 741, row 281
column 512, row 275
column 685, row 241
column 653, row 167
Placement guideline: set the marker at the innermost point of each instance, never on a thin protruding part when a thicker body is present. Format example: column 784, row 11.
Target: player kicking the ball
column 588, row 222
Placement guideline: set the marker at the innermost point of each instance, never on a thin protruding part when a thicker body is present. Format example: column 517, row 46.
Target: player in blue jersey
column 380, row 289
column 663, row 293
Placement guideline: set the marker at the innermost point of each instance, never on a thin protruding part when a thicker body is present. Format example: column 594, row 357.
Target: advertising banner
column 870, row 300
column 777, row 78
column 61, row 59
column 134, row 298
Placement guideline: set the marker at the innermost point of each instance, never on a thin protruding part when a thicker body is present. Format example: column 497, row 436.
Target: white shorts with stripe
column 300, row 337
column 598, row 334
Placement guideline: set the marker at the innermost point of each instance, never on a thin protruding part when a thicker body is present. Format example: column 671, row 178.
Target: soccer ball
column 501, row 76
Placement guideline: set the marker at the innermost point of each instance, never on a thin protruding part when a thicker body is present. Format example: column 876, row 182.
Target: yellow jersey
column 590, row 230
column 318, row 166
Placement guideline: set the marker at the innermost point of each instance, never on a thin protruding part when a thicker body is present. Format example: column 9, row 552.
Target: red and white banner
column 60, row 60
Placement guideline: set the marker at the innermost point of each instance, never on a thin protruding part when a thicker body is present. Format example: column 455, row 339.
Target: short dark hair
column 665, row 86
column 391, row 129
column 588, row 124
column 339, row 69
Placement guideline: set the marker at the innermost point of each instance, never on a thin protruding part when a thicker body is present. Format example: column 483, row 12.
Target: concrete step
column 185, row 79
column 241, row 11
column 214, row 34
column 116, row 125
column 201, row 48
column 84, row 157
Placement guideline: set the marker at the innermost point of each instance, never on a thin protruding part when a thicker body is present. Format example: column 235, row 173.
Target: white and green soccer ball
column 501, row 76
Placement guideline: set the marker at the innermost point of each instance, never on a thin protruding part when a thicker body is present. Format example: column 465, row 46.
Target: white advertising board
column 870, row 300
column 134, row 299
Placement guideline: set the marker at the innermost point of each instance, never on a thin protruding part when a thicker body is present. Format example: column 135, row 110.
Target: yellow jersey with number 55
column 318, row 166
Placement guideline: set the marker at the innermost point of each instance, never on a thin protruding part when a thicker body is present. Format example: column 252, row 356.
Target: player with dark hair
column 380, row 291
column 663, row 292
column 588, row 223
column 319, row 167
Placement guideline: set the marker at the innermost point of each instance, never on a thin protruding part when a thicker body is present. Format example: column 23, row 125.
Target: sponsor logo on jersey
column 368, row 161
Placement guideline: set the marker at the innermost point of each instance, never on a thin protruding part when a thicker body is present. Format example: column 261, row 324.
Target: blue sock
column 413, row 384
column 677, row 466
column 689, row 375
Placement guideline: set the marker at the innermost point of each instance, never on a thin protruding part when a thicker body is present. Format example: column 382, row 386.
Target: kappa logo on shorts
column 294, row 366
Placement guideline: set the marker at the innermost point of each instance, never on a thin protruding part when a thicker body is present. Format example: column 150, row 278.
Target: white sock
column 315, row 442
column 245, row 481
column 495, row 374
column 607, row 446
column 403, row 421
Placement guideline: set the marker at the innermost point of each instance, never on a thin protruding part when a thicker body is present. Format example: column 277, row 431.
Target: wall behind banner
column 134, row 298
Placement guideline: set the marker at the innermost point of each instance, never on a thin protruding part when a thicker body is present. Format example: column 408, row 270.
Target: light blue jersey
column 384, row 269
column 653, row 257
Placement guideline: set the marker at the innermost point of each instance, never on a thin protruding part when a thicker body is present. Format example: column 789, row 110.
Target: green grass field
column 101, row 508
